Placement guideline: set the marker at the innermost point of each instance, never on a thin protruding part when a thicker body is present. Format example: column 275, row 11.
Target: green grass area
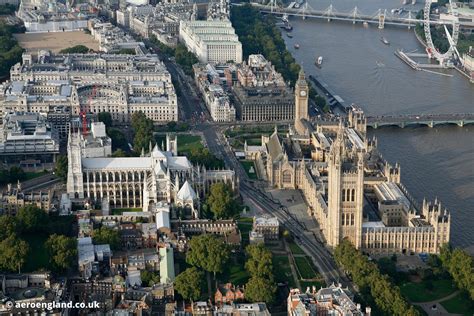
column 234, row 271
column 305, row 269
column 459, row 304
column 247, row 165
column 425, row 292
column 295, row 249
column 186, row 142
column 120, row 211
column 32, row 175
column 283, row 274
column 37, row 256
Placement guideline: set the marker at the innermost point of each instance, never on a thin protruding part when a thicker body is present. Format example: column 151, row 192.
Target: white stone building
column 93, row 83
column 211, row 41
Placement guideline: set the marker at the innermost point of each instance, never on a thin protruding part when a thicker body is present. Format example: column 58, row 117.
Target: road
column 190, row 104
column 250, row 190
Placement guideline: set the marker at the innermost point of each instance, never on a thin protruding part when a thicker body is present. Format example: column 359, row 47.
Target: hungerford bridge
column 422, row 119
column 381, row 17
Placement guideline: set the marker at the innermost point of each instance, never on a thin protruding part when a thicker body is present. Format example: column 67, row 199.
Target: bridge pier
column 402, row 125
column 461, row 123
column 431, row 124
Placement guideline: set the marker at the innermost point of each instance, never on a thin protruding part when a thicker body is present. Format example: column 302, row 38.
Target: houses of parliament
column 349, row 188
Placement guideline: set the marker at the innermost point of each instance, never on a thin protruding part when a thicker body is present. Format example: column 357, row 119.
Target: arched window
column 287, row 176
column 353, row 195
column 343, row 195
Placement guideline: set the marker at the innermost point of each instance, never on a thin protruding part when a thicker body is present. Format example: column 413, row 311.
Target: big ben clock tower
column 301, row 103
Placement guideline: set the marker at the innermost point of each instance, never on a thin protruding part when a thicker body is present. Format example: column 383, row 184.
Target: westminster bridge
column 430, row 120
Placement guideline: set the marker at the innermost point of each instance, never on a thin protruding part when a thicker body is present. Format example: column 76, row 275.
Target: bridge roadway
column 354, row 16
column 430, row 120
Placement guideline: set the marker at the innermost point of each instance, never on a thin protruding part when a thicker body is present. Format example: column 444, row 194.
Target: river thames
column 435, row 162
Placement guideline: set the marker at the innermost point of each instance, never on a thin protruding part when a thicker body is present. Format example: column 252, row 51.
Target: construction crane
column 86, row 109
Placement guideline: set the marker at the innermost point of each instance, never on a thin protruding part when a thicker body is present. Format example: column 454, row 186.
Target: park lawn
column 247, row 165
column 421, row 292
column 120, row 211
column 459, row 304
column 295, row 249
column 187, row 142
column 234, row 272
column 305, row 269
column 282, row 271
column 37, row 255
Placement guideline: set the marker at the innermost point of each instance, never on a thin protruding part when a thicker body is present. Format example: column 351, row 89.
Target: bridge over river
column 430, row 120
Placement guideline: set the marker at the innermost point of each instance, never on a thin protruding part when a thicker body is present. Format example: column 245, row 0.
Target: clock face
column 303, row 93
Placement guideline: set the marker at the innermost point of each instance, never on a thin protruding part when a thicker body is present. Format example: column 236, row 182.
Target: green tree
column 149, row 278
column 106, row 118
column 119, row 141
column 78, row 49
column 259, row 289
column 13, row 253
column 189, row 283
column 221, row 201
column 62, row 251
column 371, row 282
column 207, row 252
column 106, row 235
column 8, row 226
column 259, row 263
column 185, row 58
column 17, row 174
column 460, row 266
column 119, row 153
column 143, row 128
column 60, row 167
column 31, row 218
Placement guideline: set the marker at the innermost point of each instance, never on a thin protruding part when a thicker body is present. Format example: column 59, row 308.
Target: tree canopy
column 220, row 201
column 62, row 251
column 60, row 168
column 31, row 219
column 207, row 252
column 371, row 282
column 203, row 157
column 78, row 49
column 143, row 128
column 259, row 289
column 10, row 51
column 13, row 253
column 149, row 278
column 460, row 265
column 106, row 235
column 188, row 284
column 259, row 262
column 106, row 118
column 259, row 35
column 12, row 175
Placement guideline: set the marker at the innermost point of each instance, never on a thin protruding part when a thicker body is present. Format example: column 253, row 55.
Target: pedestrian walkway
column 440, row 310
